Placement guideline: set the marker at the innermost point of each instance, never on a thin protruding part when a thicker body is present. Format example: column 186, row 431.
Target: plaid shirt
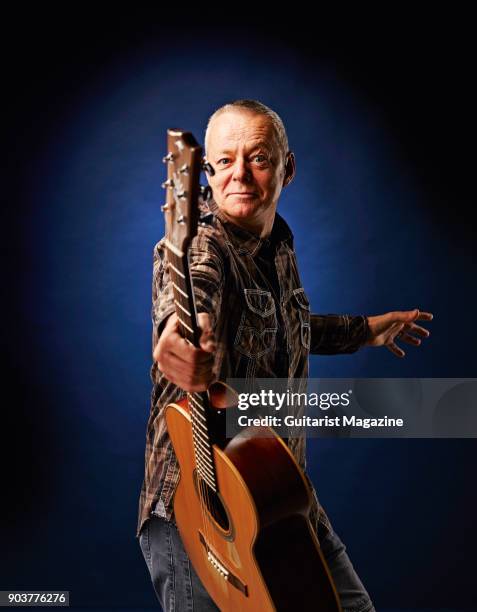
column 263, row 326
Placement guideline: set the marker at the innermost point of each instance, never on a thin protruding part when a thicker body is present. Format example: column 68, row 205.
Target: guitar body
column 258, row 551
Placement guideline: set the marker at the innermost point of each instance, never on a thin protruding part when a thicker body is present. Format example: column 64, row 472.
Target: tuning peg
column 181, row 219
column 184, row 169
column 169, row 158
column 205, row 192
column 167, row 184
column 165, row 207
column 207, row 167
column 182, row 195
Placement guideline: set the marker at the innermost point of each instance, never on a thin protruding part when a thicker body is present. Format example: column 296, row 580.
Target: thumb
column 406, row 315
column 207, row 339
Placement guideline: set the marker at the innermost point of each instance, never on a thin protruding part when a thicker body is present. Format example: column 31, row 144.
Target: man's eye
column 259, row 158
column 223, row 161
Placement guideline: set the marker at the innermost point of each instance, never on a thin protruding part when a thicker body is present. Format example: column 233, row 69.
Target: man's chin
column 243, row 208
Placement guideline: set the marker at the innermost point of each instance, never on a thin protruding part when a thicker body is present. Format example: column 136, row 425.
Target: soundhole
column 213, row 503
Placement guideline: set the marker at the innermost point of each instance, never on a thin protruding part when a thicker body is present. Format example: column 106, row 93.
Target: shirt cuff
column 337, row 334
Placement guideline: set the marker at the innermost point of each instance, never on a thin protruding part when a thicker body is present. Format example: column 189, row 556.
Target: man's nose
column 241, row 171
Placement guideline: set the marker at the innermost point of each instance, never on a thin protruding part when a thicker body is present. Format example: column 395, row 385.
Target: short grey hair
column 257, row 107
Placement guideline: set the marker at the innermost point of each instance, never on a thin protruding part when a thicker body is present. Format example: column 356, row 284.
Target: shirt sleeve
column 333, row 334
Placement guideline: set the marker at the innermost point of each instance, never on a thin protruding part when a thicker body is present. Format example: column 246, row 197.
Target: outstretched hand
column 385, row 329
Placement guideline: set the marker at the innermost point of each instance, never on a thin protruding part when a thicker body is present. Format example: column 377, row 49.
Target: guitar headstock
column 184, row 164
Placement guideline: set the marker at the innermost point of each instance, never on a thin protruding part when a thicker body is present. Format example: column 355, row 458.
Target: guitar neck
column 183, row 293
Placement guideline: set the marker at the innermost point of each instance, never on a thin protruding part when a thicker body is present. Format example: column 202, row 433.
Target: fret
column 204, row 450
column 200, row 407
column 180, row 294
column 205, row 473
column 203, row 420
column 178, row 262
column 183, row 302
column 180, row 290
column 185, row 308
column 204, row 436
column 174, row 249
column 182, row 308
column 197, row 395
column 208, row 481
column 185, row 325
column 202, row 427
column 176, row 270
column 202, row 446
column 198, row 423
column 206, row 462
column 201, row 416
column 207, row 468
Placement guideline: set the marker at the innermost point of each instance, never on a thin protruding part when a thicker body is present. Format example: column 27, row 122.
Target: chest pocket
column 303, row 306
column 257, row 331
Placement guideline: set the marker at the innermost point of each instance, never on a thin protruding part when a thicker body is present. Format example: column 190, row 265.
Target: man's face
column 249, row 169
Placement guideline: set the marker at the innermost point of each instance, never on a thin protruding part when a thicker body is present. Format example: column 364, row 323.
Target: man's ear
column 290, row 168
column 207, row 175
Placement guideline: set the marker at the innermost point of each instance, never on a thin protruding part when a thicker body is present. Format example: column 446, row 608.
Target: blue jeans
column 179, row 589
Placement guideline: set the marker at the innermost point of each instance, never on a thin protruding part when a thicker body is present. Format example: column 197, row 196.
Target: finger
column 404, row 315
column 174, row 361
column 395, row 350
column 410, row 339
column 207, row 342
column 417, row 329
column 171, row 361
column 395, row 330
column 207, row 338
column 411, row 315
column 184, row 350
column 189, row 380
column 425, row 316
column 187, row 384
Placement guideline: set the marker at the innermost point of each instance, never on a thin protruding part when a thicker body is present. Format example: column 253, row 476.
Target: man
column 256, row 322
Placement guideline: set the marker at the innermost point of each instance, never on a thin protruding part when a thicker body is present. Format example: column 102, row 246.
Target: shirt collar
column 246, row 242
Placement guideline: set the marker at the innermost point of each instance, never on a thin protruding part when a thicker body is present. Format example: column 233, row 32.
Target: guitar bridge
column 221, row 569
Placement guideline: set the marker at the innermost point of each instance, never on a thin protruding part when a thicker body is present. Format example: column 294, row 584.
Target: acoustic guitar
column 242, row 505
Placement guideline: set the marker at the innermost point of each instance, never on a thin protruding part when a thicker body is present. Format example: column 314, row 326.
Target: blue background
column 380, row 208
